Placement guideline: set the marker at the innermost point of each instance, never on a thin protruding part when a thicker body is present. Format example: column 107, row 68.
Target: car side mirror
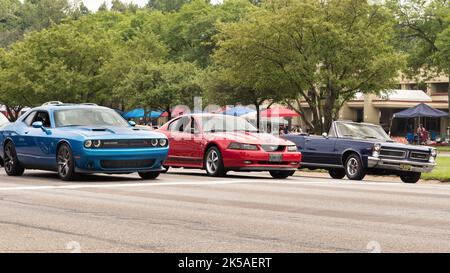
column 325, row 135
column 132, row 123
column 37, row 124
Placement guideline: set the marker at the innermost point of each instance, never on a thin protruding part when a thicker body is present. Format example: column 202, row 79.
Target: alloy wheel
column 212, row 161
column 64, row 161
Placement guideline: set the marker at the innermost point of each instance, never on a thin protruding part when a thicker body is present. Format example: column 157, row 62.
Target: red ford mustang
column 221, row 143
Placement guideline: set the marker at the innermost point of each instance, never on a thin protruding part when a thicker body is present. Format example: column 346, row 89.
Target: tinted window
column 43, row 117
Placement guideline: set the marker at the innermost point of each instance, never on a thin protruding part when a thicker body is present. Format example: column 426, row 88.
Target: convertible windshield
column 360, row 130
column 226, row 124
column 88, row 117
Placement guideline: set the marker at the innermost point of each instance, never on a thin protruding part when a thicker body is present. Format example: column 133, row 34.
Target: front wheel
column 354, row 168
column 337, row 173
column 12, row 164
column 66, row 163
column 410, row 177
column 149, row 175
column 281, row 174
column 214, row 163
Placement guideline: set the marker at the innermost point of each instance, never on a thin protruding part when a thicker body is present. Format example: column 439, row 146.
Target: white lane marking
column 223, row 182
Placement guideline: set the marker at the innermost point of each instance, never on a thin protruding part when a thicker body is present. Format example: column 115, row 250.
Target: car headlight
column 97, row 143
column 376, row 150
column 292, row 148
column 162, row 142
column 154, row 142
column 433, row 152
column 88, row 144
column 242, row 146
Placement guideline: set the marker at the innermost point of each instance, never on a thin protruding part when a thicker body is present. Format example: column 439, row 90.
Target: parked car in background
column 222, row 143
column 3, row 120
column 77, row 138
column 355, row 149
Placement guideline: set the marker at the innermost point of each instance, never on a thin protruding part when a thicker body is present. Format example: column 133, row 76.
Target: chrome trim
column 391, row 164
column 392, row 150
column 321, row 165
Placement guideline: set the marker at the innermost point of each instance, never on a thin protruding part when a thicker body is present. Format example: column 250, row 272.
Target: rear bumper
column 259, row 161
column 90, row 161
column 396, row 165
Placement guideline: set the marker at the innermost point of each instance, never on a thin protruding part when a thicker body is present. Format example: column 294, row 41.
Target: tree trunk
column 258, row 115
column 13, row 112
column 169, row 113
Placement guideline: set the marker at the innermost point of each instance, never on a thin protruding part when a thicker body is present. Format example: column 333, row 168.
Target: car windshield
column 3, row 119
column 226, row 124
column 88, row 117
column 360, row 130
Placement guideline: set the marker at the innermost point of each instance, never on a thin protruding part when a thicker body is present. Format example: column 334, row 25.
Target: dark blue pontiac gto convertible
column 355, row 149
column 80, row 138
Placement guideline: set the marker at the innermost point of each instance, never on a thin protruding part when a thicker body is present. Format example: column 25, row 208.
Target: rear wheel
column 354, row 168
column 12, row 164
column 410, row 177
column 66, row 163
column 214, row 162
column 281, row 174
column 149, row 175
column 337, row 173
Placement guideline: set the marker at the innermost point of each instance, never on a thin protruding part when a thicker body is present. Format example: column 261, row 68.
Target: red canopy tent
column 279, row 112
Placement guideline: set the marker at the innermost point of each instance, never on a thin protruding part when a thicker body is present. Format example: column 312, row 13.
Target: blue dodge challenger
column 80, row 138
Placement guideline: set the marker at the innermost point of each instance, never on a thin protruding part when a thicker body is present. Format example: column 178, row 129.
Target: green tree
column 158, row 85
column 423, row 32
column 318, row 52
column 167, row 5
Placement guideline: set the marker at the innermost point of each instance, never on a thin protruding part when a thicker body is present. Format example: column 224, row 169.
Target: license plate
column 275, row 157
column 405, row 167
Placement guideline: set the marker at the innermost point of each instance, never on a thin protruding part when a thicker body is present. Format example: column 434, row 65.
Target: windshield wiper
column 71, row 125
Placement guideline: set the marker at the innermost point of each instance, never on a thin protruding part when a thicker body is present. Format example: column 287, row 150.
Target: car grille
column 421, row 156
column 127, row 143
column 273, row 148
column 127, row 164
column 391, row 153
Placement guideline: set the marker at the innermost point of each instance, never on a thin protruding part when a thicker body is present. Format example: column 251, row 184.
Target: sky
column 94, row 4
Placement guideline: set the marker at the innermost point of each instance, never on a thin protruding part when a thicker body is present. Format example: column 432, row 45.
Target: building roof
column 405, row 95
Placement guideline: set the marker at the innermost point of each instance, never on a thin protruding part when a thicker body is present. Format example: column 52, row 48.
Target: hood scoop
column 98, row 130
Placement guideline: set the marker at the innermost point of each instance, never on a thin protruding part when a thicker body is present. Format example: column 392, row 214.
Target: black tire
column 354, row 168
column 11, row 162
column 149, row 175
column 166, row 169
column 66, row 163
column 337, row 173
column 213, row 163
column 410, row 177
column 281, row 174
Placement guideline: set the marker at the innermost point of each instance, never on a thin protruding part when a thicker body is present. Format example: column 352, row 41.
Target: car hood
column 249, row 138
column 112, row 132
column 405, row 146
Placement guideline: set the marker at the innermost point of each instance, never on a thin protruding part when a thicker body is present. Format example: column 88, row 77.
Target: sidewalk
column 444, row 154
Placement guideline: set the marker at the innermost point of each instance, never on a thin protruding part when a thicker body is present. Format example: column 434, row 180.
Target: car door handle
column 26, row 133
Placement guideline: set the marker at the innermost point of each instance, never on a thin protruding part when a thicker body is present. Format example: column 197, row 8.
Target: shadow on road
column 82, row 178
column 227, row 176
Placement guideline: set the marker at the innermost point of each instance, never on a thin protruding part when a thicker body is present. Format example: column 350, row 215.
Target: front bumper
column 240, row 160
column 396, row 165
column 90, row 160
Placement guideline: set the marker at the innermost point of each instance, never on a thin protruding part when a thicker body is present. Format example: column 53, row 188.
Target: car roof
column 66, row 106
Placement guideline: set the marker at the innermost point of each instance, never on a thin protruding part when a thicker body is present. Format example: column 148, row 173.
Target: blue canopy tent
column 238, row 111
column 140, row 112
column 420, row 111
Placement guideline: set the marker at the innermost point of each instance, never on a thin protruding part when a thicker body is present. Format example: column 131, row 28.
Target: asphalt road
column 185, row 211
